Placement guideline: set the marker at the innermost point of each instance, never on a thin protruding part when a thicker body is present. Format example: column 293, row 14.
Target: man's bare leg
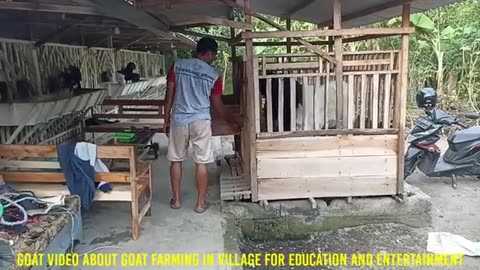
column 202, row 185
column 176, row 180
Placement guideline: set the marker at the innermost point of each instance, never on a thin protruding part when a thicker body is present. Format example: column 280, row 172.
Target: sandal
column 174, row 204
column 202, row 209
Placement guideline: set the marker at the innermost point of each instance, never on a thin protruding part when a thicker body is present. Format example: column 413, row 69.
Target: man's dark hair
column 207, row 44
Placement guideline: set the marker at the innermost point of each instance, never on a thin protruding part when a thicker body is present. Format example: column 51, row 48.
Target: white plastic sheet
column 447, row 243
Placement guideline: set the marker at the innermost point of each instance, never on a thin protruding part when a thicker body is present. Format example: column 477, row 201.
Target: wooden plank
column 280, row 104
column 133, row 102
column 294, row 134
column 29, row 164
column 327, row 88
column 329, row 32
column 316, row 104
column 376, row 82
column 298, row 75
column 256, row 95
column 8, row 151
column 126, row 116
column 322, row 187
column 269, row 106
column 312, row 65
column 114, row 151
column 401, row 99
column 293, row 104
column 363, row 99
column 344, row 145
column 327, row 166
column 295, row 65
column 386, row 101
column 376, row 62
column 58, row 177
column 119, row 193
column 302, row 55
column 351, row 102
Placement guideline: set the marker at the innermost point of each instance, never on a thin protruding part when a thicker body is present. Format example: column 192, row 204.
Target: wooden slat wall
column 21, row 60
column 326, row 166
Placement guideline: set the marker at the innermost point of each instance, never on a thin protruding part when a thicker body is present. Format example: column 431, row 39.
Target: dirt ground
column 454, row 211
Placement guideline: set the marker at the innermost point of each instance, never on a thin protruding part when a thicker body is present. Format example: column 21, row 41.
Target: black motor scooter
column 463, row 154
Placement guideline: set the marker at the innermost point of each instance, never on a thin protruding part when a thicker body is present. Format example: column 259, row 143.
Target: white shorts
column 199, row 133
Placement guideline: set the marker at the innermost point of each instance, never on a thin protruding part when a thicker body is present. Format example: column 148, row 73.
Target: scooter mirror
column 472, row 116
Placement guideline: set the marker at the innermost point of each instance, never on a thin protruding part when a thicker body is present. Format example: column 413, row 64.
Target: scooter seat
column 463, row 136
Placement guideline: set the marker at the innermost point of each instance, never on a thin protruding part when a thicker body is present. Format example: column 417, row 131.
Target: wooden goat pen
column 327, row 124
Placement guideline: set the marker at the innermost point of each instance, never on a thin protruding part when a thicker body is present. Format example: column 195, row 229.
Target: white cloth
column 447, row 243
column 88, row 152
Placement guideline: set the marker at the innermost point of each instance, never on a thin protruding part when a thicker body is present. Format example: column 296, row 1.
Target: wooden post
column 37, row 76
column 249, row 123
column 114, row 61
column 401, row 99
column 289, row 40
column 233, row 53
column 337, row 25
column 174, row 52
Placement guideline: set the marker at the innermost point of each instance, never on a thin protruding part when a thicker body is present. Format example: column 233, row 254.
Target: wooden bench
column 35, row 168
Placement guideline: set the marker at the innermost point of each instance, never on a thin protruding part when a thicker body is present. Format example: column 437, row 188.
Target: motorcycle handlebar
column 461, row 125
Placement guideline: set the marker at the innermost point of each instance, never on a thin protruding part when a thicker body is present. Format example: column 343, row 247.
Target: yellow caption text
column 248, row 259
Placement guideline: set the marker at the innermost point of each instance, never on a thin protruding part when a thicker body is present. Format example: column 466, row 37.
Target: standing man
column 192, row 85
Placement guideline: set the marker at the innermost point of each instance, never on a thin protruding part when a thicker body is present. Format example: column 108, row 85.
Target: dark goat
column 69, row 79
column 286, row 99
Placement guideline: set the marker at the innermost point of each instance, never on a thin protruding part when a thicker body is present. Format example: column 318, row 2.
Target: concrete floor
column 167, row 230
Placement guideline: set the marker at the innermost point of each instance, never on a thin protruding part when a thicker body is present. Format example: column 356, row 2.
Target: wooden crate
column 233, row 183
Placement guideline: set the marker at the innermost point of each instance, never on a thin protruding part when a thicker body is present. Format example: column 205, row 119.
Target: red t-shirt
column 217, row 89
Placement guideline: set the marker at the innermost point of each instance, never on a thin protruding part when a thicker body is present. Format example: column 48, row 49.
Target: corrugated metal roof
column 313, row 11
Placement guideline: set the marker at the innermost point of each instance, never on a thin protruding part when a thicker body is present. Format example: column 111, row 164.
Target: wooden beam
column 289, row 40
column 301, row 5
column 131, row 42
column 305, row 43
column 42, row 7
column 318, row 42
column 236, row 39
column 337, row 25
column 197, row 34
column 330, row 32
column 368, row 11
column 54, row 34
column 401, row 98
column 202, row 20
